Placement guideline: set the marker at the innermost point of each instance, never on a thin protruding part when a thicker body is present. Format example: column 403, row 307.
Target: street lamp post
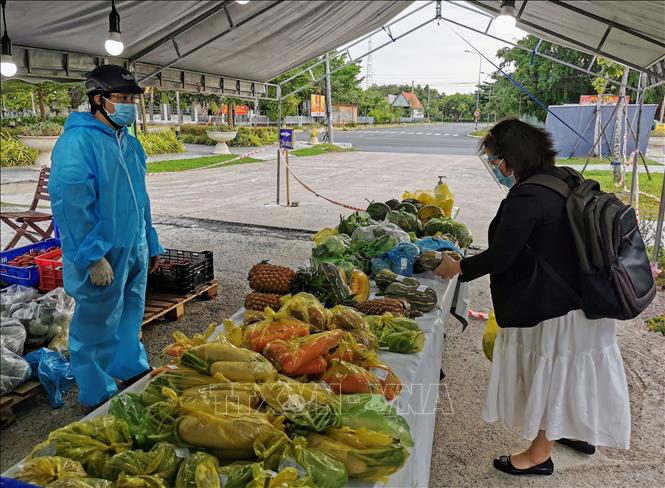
column 480, row 67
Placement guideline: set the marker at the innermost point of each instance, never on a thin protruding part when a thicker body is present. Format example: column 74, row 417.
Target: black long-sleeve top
column 523, row 294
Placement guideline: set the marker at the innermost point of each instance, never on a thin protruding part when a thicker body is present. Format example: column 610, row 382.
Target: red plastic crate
column 50, row 270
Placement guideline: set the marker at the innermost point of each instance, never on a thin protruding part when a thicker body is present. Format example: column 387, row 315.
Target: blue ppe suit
column 99, row 200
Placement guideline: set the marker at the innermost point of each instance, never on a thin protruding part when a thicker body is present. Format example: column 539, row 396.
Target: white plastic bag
column 12, row 335
column 16, row 294
column 14, row 370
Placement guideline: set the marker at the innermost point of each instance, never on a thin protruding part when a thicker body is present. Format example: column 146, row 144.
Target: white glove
column 101, row 273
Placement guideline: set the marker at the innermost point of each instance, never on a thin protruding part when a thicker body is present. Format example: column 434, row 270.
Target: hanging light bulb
column 7, row 65
column 242, row 2
column 113, row 44
column 505, row 22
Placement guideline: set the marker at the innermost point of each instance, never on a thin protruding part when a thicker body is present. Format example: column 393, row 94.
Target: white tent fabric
column 267, row 37
column 630, row 32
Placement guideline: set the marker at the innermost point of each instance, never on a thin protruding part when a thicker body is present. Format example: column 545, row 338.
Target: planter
column 312, row 132
column 657, row 141
column 221, row 138
column 43, row 144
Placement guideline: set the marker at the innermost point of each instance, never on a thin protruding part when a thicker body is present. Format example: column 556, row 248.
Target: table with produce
column 326, row 378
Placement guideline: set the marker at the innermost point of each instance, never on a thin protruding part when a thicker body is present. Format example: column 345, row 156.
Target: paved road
column 443, row 138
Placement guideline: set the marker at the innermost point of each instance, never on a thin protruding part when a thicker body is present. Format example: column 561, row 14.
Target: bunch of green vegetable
column 349, row 224
column 444, row 226
column 397, row 334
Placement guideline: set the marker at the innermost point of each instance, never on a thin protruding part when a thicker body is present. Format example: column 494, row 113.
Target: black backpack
column 614, row 273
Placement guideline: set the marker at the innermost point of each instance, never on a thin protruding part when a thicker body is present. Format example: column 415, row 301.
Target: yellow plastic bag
column 323, row 234
column 489, row 335
column 306, row 308
column 441, row 197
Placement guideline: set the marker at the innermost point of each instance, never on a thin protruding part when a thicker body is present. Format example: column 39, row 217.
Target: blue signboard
column 286, row 138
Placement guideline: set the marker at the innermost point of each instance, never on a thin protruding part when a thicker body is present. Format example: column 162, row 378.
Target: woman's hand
column 448, row 267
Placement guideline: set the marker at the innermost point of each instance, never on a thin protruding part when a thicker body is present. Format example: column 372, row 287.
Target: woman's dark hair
column 525, row 149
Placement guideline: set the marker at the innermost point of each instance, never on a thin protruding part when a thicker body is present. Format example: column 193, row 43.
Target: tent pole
column 659, row 226
column 144, row 116
column 329, row 102
column 279, row 130
column 633, row 185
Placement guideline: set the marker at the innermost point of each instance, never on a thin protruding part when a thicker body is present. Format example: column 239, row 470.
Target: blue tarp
column 580, row 117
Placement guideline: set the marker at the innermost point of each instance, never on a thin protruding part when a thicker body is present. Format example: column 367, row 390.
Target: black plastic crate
column 182, row 272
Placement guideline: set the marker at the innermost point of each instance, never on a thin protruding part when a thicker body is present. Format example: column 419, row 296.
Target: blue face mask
column 125, row 113
column 507, row 181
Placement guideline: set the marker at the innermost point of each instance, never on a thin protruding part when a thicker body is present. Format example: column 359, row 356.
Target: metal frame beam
column 575, row 42
column 180, row 30
column 211, row 40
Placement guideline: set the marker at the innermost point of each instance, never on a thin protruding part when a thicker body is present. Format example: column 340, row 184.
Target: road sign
column 286, row 138
column 476, row 114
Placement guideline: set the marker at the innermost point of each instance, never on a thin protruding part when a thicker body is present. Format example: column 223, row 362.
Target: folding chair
column 26, row 224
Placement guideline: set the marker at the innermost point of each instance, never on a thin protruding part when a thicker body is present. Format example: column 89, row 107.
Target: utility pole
column 329, row 101
column 428, row 102
column 480, row 66
column 369, row 79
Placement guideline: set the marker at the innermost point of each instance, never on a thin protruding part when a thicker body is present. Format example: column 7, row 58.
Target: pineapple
column 259, row 301
column 269, row 278
column 379, row 306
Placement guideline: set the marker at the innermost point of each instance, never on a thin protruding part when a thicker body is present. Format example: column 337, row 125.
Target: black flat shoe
column 581, row 446
column 134, row 379
column 504, row 464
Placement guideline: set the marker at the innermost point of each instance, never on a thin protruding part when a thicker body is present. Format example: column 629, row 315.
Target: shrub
column 41, row 129
column 255, row 137
column 196, row 134
column 160, row 142
column 13, row 152
column 659, row 131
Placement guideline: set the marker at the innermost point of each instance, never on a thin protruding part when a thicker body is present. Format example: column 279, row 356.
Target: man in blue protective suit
column 99, row 200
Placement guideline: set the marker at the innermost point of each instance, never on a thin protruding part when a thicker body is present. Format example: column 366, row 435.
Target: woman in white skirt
column 556, row 375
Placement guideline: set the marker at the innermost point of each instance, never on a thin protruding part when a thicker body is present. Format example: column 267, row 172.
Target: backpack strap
column 549, row 181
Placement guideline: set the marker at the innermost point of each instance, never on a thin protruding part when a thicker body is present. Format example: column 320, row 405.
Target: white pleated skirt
column 564, row 376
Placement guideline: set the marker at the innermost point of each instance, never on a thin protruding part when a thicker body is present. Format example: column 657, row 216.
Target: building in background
column 344, row 114
column 410, row 104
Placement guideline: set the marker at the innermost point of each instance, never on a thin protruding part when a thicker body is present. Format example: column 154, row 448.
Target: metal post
column 144, row 116
column 659, row 225
column 329, row 101
column 633, row 185
column 288, row 190
column 480, row 65
column 279, row 129
column 177, row 106
column 151, row 105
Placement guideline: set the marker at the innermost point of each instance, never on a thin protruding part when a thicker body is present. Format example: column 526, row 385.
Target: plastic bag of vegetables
column 397, row 334
column 323, row 234
column 352, row 222
column 332, row 246
column 374, row 413
column 43, row 470
column 12, row 335
column 160, row 461
column 14, row 294
column 279, row 452
column 449, row 226
column 198, row 470
column 176, row 378
column 431, row 243
column 402, row 258
column 81, row 483
column 182, row 343
column 236, row 475
column 130, row 408
column 242, row 395
column 142, row 481
column 14, row 370
column 367, row 455
column 285, row 478
column 345, row 377
column 303, row 356
column 310, row 406
column 91, row 442
column 350, row 320
column 257, row 336
column 306, row 308
column 231, row 362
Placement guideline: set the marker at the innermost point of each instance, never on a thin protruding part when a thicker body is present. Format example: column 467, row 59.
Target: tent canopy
column 629, row 32
column 256, row 41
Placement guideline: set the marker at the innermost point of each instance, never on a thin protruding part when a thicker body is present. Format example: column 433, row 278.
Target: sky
column 434, row 54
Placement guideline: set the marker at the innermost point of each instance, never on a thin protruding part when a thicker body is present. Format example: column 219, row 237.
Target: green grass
column 193, row 163
column 596, row 161
column 648, row 205
column 480, row 133
column 318, row 150
column 13, row 205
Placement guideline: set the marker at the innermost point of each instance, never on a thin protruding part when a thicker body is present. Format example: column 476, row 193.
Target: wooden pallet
column 24, row 392
column 168, row 306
